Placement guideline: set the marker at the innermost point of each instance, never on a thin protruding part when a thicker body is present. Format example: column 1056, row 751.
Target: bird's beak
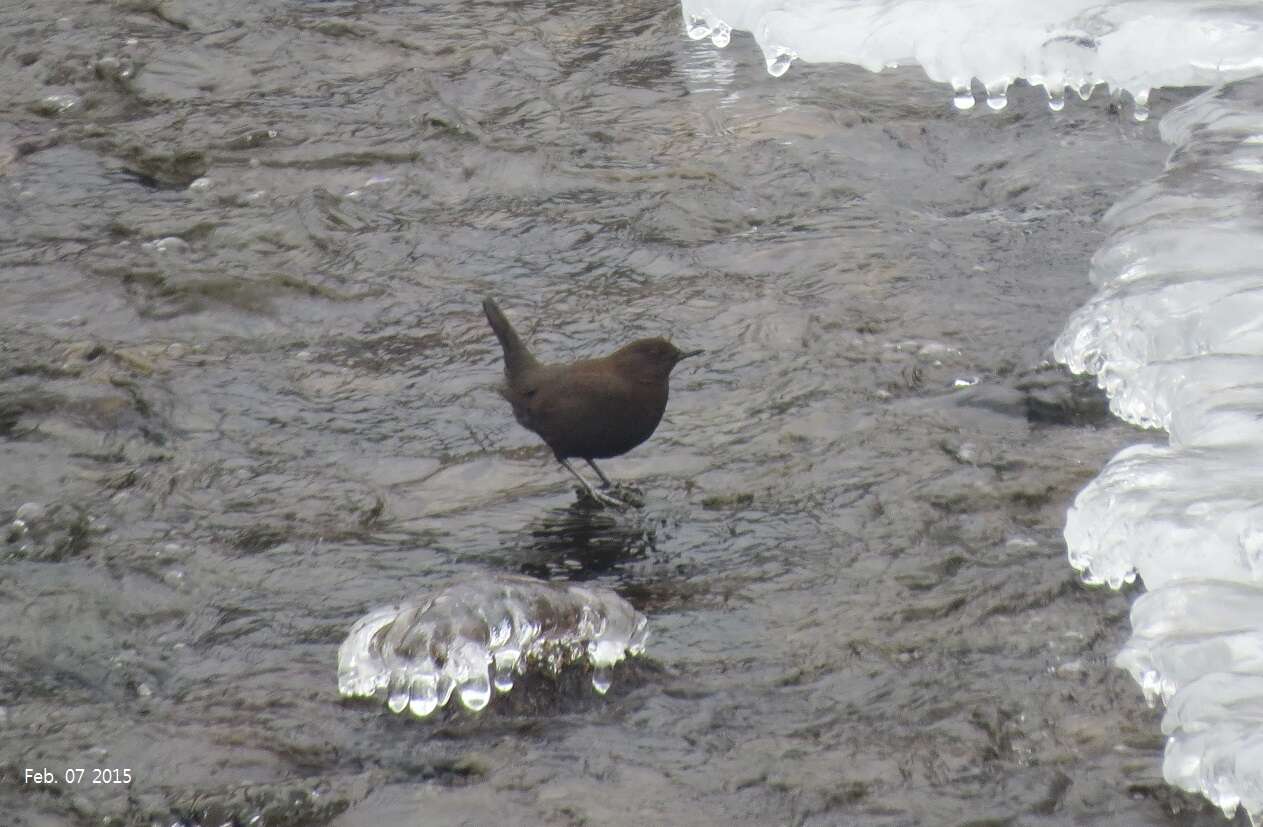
column 686, row 354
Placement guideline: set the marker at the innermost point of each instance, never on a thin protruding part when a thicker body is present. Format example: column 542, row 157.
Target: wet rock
column 46, row 533
column 1053, row 396
column 114, row 68
column 16, row 405
column 60, row 104
column 977, row 454
column 275, row 806
column 257, row 538
column 252, row 139
column 78, row 353
column 30, row 513
column 174, row 168
column 171, row 244
column 1049, row 395
column 996, row 398
column 730, row 501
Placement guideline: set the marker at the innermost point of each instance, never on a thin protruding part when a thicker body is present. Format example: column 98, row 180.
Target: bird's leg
column 605, row 481
column 629, row 494
column 599, row 496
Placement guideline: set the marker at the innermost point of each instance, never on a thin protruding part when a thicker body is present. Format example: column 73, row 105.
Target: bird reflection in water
column 582, row 543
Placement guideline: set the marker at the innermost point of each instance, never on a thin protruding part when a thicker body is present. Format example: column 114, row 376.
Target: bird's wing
column 592, row 412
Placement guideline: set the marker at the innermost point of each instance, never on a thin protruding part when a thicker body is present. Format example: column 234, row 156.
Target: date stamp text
column 77, row 775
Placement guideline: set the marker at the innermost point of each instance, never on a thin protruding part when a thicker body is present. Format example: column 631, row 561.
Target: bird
column 590, row 409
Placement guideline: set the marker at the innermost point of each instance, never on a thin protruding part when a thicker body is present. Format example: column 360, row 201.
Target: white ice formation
column 1058, row 44
column 1174, row 335
column 473, row 636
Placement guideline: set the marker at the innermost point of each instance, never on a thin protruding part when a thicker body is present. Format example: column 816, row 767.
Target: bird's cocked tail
column 516, row 356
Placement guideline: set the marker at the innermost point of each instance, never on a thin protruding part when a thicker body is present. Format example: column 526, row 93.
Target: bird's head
column 652, row 359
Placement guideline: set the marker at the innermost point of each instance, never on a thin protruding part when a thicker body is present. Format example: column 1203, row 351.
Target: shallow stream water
column 247, row 393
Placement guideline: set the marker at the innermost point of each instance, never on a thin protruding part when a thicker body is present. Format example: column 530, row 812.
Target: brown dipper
column 590, row 409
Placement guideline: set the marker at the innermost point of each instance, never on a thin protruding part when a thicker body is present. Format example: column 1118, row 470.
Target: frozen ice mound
column 473, row 637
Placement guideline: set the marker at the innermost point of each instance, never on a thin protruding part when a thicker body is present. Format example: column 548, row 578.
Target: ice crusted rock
column 471, row 638
column 1215, row 743
column 1175, row 337
column 1065, row 46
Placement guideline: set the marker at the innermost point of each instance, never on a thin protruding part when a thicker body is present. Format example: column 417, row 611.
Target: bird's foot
column 629, row 494
column 626, row 497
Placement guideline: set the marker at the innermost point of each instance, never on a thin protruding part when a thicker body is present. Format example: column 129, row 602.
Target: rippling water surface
column 248, row 391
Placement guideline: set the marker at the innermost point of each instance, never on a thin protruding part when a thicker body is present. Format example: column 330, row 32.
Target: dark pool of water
column 245, row 377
